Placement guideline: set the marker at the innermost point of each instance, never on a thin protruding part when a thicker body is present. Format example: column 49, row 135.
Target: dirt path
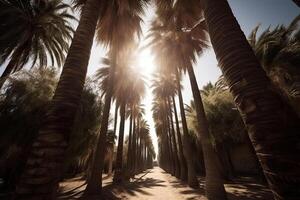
column 155, row 184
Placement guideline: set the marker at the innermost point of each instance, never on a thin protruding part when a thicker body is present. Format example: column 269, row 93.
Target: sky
column 249, row 14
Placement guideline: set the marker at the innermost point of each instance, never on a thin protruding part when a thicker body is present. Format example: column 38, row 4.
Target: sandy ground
column 155, row 184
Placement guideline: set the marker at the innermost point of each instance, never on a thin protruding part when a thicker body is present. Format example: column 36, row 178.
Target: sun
column 145, row 62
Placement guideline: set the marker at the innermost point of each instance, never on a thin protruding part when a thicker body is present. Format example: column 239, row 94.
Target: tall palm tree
column 272, row 126
column 138, row 113
column 159, row 43
column 163, row 88
column 31, row 30
column 159, row 115
column 131, row 82
column 182, row 41
column 118, row 27
column 183, row 165
column 129, row 87
column 43, row 168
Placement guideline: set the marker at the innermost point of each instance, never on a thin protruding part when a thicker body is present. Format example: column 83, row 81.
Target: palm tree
column 182, row 43
column 128, row 87
column 138, row 112
column 130, row 82
column 183, row 165
column 192, row 179
column 278, row 53
column 42, row 173
column 30, row 31
column 272, row 126
column 118, row 27
column 110, row 144
column 159, row 43
column 159, row 115
column 163, row 89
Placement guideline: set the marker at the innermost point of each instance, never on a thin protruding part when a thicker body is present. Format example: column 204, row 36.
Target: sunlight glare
column 145, row 62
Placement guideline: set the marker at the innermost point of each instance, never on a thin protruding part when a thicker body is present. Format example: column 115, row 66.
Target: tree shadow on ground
column 193, row 193
column 247, row 188
column 73, row 193
column 110, row 191
column 243, row 188
column 138, row 185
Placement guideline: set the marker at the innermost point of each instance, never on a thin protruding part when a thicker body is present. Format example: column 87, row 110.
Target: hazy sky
column 248, row 12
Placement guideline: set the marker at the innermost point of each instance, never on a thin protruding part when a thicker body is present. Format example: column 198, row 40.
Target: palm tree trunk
column 183, row 168
column 116, row 119
column 111, row 160
column 272, row 126
column 45, row 162
column 213, row 180
column 176, row 159
column 119, row 173
column 129, row 159
column 133, row 147
column 188, row 152
column 297, row 2
column 94, row 182
column 170, row 148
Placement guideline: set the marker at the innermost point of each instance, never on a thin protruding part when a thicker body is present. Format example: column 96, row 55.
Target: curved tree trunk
column 176, row 159
column 188, row 152
column 119, row 171
column 94, row 182
column 44, row 166
column 214, row 187
column 272, row 126
column 183, row 168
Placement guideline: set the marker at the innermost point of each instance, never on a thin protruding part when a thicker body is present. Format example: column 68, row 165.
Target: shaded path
column 155, row 184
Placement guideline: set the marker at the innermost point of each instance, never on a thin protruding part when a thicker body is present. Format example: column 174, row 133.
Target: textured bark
column 173, row 137
column 44, row 165
column 132, row 153
column 94, row 182
column 297, row 2
column 214, row 187
column 119, row 171
column 272, row 126
column 188, row 152
column 183, row 167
